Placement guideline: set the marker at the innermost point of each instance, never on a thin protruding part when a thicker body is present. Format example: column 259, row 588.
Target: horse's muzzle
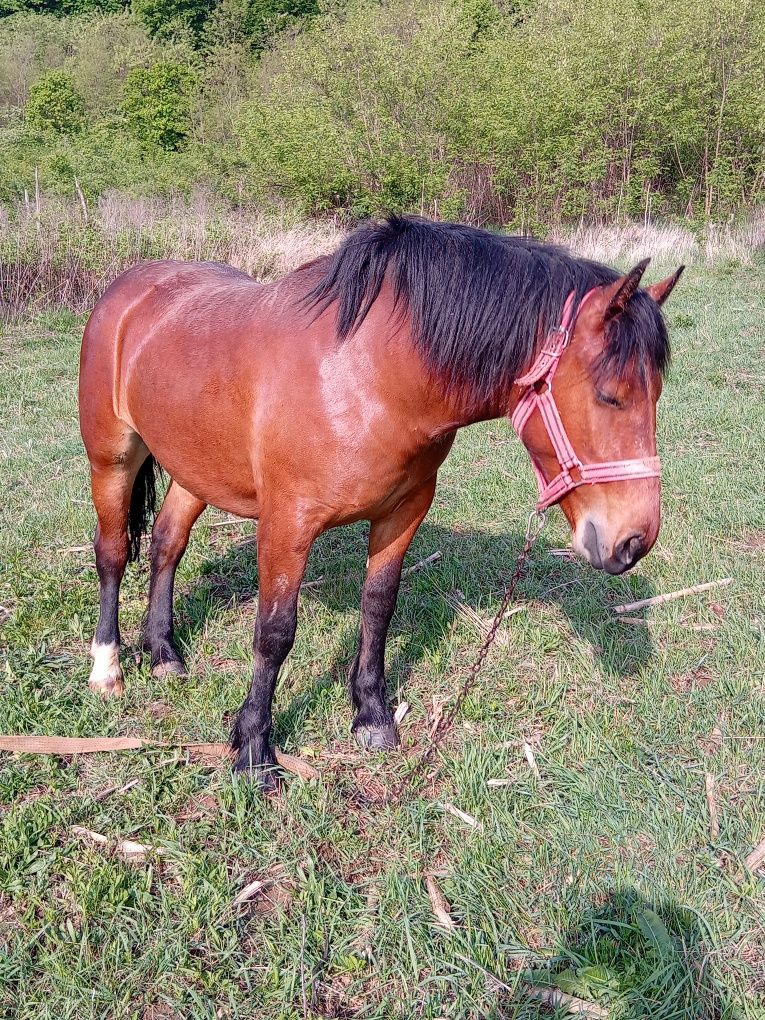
column 624, row 555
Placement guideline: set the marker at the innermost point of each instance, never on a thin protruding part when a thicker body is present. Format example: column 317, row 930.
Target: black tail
column 143, row 505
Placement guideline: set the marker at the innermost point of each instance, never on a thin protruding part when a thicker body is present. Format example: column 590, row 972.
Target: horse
column 333, row 395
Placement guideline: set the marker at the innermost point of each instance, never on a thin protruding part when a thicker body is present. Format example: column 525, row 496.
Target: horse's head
column 601, row 384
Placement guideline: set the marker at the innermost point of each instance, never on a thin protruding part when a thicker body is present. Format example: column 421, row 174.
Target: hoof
column 106, row 676
column 107, row 687
column 265, row 775
column 377, row 738
column 172, row 667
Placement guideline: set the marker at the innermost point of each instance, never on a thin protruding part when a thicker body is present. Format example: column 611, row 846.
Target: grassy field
column 598, row 873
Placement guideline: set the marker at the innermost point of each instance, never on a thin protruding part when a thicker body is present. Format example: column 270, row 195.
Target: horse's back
column 177, row 352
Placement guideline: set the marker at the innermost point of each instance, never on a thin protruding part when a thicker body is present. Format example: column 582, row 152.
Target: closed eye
column 606, row 398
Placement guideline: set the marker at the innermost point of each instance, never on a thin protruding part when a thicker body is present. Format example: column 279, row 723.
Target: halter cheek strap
column 538, row 396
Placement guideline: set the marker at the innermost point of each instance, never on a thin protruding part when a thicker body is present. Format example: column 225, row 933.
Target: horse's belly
column 197, row 427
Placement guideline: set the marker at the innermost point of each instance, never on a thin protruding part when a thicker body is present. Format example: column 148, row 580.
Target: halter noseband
column 541, row 398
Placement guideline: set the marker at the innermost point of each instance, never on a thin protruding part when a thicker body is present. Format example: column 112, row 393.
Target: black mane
column 477, row 301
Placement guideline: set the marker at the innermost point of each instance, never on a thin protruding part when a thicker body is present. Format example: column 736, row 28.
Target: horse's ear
column 622, row 290
column 660, row 291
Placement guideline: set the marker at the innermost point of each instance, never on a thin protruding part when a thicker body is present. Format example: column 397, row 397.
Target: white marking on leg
column 106, row 676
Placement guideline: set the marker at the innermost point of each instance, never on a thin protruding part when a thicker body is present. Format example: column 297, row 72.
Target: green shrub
column 157, row 104
column 169, row 18
column 54, row 103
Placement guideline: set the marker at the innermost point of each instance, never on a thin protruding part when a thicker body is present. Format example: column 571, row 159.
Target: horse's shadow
column 472, row 570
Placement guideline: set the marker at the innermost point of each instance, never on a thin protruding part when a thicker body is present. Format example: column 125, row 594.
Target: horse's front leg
column 389, row 539
column 283, row 549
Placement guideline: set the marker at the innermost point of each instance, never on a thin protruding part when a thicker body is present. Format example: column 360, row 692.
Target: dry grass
column 57, row 259
column 741, row 241
column 61, row 255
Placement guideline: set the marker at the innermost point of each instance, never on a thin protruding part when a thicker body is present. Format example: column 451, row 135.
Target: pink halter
column 542, row 399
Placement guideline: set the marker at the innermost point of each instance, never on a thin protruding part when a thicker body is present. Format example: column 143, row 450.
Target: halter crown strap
column 541, row 399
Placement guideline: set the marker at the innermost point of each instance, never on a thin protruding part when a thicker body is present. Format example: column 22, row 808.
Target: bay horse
column 333, row 395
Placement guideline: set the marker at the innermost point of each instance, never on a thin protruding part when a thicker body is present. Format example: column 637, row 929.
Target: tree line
column 509, row 112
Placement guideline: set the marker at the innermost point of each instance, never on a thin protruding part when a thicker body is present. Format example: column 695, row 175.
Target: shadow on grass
column 632, row 960
column 474, row 564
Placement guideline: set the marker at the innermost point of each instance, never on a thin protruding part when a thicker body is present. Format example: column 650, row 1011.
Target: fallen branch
column 657, row 600
column 551, row 996
column 494, row 783
column 714, row 821
column 128, row 849
column 104, row 794
column 529, row 755
column 563, row 554
column 316, row 583
column 433, row 558
column 441, row 906
column 436, row 715
column 398, row 715
column 251, row 890
column 756, row 858
column 228, row 522
column 75, row 549
column 555, row 997
column 92, row 745
column 462, row 815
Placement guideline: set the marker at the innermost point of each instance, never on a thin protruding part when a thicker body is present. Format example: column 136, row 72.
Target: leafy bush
column 168, row 18
column 524, row 114
column 55, row 104
column 157, row 103
column 365, row 115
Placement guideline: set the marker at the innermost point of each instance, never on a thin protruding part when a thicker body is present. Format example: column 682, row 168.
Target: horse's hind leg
column 169, row 539
column 115, row 487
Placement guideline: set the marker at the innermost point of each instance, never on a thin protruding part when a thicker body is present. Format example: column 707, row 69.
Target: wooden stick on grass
column 577, row 1007
column 28, row 744
column 433, row 558
column 552, row 996
column 657, row 600
column 398, row 715
column 441, row 907
column 529, row 755
column 756, row 858
column 462, row 815
column 714, row 821
column 229, row 521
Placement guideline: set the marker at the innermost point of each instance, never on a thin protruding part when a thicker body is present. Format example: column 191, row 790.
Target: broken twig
column 529, row 755
column 227, row 523
column 128, row 849
column 462, row 815
column 714, row 821
column 398, row 715
column 657, row 600
column 433, row 558
column 441, row 907
column 756, row 858
column 26, row 744
column 555, row 997
column 251, row 890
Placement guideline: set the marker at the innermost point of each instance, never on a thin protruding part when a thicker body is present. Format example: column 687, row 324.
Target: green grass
column 560, row 884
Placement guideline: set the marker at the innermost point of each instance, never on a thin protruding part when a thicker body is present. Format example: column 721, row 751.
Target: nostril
column 630, row 549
